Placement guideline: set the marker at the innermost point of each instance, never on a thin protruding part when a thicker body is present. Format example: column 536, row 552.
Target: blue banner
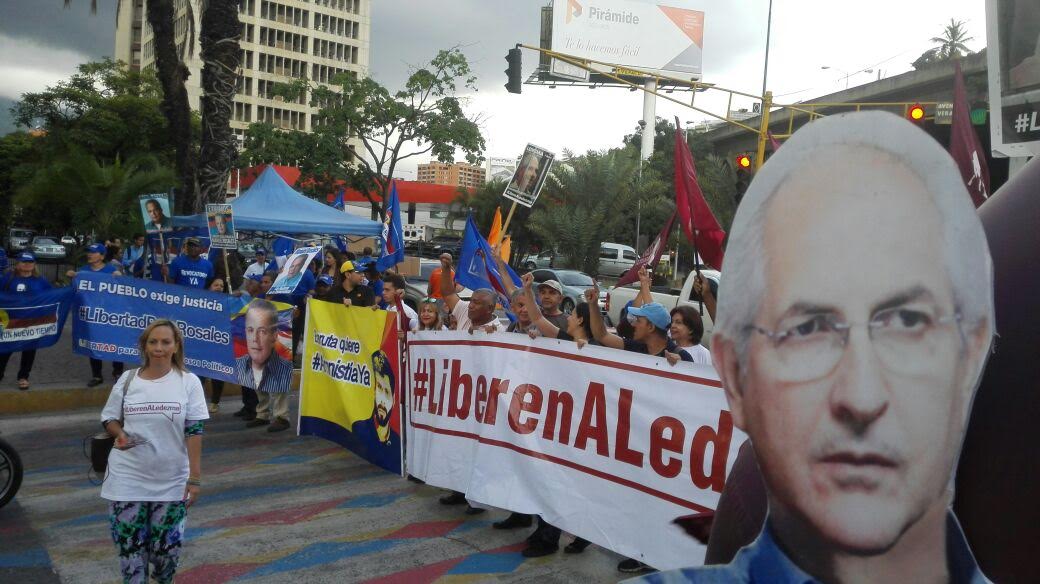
column 33, row 321
column 111, row 312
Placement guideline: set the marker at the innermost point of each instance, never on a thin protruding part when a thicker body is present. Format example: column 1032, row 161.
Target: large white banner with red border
column 608, row 445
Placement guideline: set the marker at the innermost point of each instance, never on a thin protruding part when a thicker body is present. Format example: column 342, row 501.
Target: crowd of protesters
column 337, row 277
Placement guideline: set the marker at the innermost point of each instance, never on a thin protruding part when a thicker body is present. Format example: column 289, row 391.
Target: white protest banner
column 221, row 224
column 530, row 175
column 608, row 445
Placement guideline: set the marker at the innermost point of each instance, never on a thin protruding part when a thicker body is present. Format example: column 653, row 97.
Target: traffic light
column 744, row 175
column 514, row 72
column 915, row 113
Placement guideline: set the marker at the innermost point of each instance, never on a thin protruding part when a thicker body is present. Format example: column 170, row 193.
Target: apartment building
column 281, row 41
column 457, row 174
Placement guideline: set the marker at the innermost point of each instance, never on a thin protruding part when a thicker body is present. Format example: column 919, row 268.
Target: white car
column 45, row 248
column 68, row 240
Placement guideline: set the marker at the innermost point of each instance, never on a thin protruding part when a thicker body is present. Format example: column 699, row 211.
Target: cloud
column 28, row 66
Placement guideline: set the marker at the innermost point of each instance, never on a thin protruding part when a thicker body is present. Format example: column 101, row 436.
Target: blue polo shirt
column 105, row 268
column 185, row 271
column 12, row 284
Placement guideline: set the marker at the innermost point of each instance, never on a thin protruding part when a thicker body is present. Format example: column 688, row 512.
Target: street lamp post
column 847, row 74
column 769, row 30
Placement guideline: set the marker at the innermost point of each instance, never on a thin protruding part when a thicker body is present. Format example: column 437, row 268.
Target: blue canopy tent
column 273, row 206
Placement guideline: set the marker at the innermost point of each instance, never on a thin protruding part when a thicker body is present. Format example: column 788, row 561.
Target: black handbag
column 101, row 444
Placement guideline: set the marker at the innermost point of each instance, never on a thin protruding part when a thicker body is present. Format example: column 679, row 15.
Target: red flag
column 698, row 222
column 965, row 148
column 651, row 255
column 772, row 141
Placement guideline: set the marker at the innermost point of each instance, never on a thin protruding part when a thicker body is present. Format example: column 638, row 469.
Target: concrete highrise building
column 457, row 174
column 281, row 41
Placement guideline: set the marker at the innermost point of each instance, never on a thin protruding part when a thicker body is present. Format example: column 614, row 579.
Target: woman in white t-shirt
column 156, row 415
column 686, row 330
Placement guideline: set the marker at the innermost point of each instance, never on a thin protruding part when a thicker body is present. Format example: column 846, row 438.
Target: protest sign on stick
column 292, row 272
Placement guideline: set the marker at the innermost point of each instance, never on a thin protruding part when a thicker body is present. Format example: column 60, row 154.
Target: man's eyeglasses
column 907, row 340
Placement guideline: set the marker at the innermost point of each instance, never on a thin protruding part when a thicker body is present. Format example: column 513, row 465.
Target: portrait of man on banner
column 292, row 273
column 262, row 339
column 378, row 430
column 155, row 210
column 853, row 328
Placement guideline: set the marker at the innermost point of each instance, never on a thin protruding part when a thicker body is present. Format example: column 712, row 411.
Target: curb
column 59, row 399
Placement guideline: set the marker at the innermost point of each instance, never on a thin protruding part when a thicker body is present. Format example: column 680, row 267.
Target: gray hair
column 259, row 304
column 965, row 252
column 491, row 295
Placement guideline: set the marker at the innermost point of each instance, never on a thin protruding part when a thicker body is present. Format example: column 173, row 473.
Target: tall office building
column 458, row 174
column 281, row 41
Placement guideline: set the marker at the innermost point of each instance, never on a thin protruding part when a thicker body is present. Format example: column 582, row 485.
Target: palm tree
column 106, row 194
column 951, row 44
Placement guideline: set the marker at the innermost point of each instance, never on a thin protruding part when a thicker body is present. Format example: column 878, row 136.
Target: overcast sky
column 41, row 43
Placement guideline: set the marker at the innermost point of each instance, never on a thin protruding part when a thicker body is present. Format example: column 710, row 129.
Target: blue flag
column 33, row 321
column 393, row 234
column 338, row 203
column 477, row 266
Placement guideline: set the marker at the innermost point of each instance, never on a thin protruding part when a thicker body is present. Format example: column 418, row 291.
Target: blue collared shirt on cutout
column 764, row 562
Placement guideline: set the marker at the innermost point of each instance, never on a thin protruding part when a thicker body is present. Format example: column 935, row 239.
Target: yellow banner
column 350, row 379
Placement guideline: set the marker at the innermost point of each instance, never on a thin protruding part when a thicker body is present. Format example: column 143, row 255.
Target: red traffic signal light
column 915, row 113
column 744, row 162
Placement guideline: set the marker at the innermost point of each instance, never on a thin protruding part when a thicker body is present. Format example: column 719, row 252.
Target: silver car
column 574, row 285
column 533, row 262
column 47, row 249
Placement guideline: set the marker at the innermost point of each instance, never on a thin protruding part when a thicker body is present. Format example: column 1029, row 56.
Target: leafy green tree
column 586, row 200
column 425, row 118
column 18, row 150
column 104, row 107
column 950, row 45
column 105, row 193
column 482, row 202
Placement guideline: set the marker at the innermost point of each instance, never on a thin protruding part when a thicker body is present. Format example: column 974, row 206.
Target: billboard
column 1013, row 38
column 632, row 33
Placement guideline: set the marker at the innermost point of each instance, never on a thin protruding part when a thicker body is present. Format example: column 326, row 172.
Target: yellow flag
column 507, row 245
column 495, row 235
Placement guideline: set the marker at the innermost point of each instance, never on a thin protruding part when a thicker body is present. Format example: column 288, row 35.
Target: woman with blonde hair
column 156, row 416
column 430, row 315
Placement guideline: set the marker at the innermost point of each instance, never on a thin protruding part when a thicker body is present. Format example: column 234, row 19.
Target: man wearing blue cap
column 191, row 270
column 322, row 286
column 24, row 279
column 96, row 263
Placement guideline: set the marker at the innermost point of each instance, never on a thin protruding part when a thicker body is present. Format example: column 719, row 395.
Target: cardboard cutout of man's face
column 858, row 376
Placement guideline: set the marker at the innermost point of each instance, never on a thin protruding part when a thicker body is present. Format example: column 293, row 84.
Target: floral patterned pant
column 147, row 533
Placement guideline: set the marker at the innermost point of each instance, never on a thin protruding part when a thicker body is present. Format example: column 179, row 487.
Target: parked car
column 446, row 244
column 416, row 286
column 46, row 248
column 532, row 262
column 574, row 285
column 615, row 259
column 618, row 297
column 19, row 239
column 68, row 240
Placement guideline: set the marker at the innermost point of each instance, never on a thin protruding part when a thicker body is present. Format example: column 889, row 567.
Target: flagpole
column 505, row 226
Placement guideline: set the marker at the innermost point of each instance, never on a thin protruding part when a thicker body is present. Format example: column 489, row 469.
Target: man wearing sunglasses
column 855, row 320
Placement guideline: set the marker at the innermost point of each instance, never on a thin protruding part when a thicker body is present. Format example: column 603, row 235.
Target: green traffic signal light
column 514, row 72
